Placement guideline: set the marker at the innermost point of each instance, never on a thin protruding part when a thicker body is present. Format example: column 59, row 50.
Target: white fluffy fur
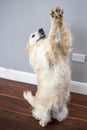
column 49, row 59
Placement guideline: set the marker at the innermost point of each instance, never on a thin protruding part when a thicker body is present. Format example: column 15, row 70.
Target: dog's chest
column 37, row 57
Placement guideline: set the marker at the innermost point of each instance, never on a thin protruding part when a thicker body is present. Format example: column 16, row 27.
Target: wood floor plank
column 15, row 112
column 79, row 99
column 77, row 111
column 16, row 121
column 15, row 89
column 14, row 104
column 22, row 106
column 77, row 123
column 16, row 83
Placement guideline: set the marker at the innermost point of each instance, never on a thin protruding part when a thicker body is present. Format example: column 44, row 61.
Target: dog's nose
column 41, row 31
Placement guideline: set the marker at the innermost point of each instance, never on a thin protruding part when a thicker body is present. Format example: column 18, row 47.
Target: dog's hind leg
column 45, row 119
column 60, row 112
column 42, row 114
column 29, row 97
column 63, row 113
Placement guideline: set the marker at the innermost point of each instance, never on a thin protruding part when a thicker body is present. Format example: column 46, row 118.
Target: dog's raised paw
column 53, row 15
column 57, row 15
column 59, row 11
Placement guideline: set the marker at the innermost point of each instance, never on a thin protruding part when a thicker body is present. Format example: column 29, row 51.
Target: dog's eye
column 33, row 35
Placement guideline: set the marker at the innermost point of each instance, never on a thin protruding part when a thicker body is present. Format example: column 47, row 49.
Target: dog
column 49, row 58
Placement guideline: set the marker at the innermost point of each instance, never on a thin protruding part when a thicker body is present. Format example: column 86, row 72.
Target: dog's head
column 37, row 36
column 34, row 39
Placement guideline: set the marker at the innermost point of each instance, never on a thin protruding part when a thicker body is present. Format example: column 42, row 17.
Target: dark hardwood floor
column 15, row 112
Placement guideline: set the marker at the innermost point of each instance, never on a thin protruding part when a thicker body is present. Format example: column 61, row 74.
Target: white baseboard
column 25, row 77
column 17, row 75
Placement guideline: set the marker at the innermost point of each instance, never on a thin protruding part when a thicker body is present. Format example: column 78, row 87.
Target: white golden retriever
column 49, row 59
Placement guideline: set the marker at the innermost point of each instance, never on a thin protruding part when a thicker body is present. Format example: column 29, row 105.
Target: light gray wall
column 18, row 18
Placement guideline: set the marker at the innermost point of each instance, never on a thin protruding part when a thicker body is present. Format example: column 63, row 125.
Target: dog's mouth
column 41, row 33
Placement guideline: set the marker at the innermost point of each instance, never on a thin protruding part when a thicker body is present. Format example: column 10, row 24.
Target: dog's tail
column 29, row 97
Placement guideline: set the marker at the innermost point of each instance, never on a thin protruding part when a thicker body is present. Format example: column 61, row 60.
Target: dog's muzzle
column 41, row 33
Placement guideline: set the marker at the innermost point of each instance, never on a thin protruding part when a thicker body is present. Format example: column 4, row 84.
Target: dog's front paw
column 27, row 95
column 53, row 15
column 57, row 15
